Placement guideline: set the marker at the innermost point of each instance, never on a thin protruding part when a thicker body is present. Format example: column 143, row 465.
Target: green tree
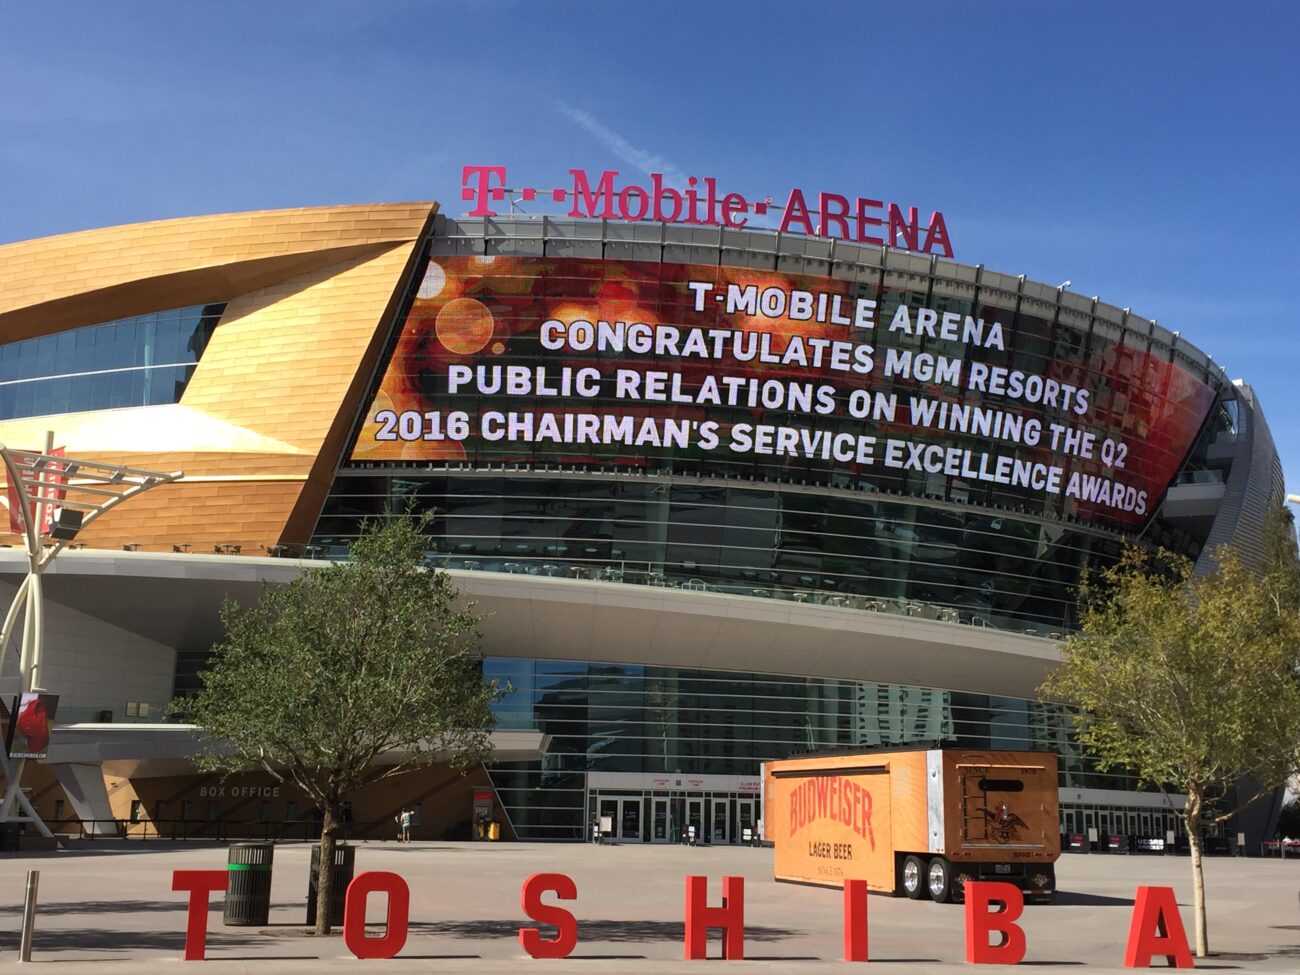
column 1190, row 681
column 325, row 674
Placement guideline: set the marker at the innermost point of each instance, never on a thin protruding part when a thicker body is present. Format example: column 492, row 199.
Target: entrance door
column 608, row 815
column 659, row 827
column 745, row 820
column 721, row 807
column 695, row 817
column 629, row 821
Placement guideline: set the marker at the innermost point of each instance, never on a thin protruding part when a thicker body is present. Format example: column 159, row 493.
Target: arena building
column 721, row 495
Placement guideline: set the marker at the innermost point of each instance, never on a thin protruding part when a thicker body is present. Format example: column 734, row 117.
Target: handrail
column 215, row 830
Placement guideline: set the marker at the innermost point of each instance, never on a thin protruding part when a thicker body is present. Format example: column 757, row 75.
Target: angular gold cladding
column 282, row 358
column 261, row 423
column 98, row 275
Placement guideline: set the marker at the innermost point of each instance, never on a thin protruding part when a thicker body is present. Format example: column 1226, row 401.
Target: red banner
column 53, row 476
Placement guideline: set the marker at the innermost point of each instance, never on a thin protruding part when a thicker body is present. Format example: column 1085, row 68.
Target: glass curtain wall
column 145, row 360
column 951, row 563
column 622, row 718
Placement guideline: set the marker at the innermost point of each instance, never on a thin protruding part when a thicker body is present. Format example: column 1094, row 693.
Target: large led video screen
column 686, row 369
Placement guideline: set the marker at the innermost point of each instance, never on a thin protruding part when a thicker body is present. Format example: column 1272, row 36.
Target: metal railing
column 804, row 589
column 216, row 830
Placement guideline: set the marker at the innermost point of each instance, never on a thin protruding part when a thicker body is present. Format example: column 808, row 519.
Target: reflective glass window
column 140, row 361
column 934, row 560
column 618, row 718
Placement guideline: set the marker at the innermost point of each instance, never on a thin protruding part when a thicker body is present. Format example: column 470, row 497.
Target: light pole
column 51, row 499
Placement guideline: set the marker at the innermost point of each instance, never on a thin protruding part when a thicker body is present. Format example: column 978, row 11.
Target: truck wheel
column 939, row 880
column 913, row 878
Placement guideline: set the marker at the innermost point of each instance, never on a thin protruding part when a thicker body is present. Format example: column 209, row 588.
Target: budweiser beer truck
column 915, row 821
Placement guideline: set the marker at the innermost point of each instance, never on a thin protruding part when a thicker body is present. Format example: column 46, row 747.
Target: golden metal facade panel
column 98, row 275
column 261, row 423
column 248, row 514
column 282, row 359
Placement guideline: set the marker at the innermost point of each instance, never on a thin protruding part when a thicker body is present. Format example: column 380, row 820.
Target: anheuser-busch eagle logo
column 859, row 219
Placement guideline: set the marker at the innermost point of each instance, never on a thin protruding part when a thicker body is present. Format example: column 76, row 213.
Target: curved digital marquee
column 679, row 368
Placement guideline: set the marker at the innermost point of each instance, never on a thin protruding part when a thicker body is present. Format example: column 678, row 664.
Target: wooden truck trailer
column 915, row 821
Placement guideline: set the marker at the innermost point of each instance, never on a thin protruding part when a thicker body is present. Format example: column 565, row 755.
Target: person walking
column 403, row 820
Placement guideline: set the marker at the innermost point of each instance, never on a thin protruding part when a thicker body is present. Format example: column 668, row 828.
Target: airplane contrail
column 645, row 161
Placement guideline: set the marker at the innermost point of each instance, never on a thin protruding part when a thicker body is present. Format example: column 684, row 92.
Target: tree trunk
column 325, row 871
column 1192, row 817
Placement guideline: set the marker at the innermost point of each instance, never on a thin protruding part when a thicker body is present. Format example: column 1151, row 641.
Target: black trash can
column 345, row 858
column 248, row 884
column 10, row 837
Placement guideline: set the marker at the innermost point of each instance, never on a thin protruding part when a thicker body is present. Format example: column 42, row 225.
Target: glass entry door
column 609, row 819
column 721, row 809
column 695, row 818
column 659, row 827
column 629, row 820
column 745, row 821
column 620, row 817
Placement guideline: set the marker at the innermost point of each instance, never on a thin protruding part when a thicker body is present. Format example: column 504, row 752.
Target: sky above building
column 1144, row 152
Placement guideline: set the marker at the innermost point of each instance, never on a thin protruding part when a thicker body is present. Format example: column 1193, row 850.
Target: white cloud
column 646, row 162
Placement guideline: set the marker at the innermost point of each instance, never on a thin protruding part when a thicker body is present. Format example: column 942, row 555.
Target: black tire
column 911, row 878
column 938, row 880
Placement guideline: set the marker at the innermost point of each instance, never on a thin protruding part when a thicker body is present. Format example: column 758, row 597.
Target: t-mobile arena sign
column 859, row 219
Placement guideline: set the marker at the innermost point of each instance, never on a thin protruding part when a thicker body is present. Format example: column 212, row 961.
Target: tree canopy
column 325, row 675
column 1191, row 681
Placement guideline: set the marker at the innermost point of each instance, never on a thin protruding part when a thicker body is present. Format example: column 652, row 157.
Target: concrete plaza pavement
column 110, row 905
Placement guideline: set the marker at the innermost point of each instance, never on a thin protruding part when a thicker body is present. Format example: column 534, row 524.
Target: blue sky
column 1146, row 152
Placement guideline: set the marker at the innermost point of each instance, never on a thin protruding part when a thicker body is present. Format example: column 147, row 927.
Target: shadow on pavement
column 179, row 905
column 1074, row 897
column 219, row 957
column 105, row 939
column 904, row 961
column 749, row 957
column 610, row 931
column 1031, row 964
column 1239, row 956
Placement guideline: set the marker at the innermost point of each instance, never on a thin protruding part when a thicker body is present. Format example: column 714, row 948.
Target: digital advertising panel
column 736, row 372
